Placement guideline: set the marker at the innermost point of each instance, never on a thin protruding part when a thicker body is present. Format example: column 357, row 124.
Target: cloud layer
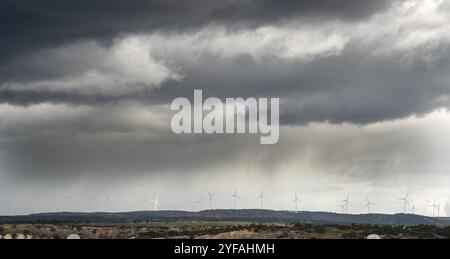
column 32, row 25
column 327, row 70
column 85, row 88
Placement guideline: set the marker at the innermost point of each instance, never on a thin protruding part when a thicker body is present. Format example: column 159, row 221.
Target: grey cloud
column 105, row 142
column 353, row 78
column 30, row 25
column 353, row 87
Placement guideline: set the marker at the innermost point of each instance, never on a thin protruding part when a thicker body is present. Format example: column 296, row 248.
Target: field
column 216, row 230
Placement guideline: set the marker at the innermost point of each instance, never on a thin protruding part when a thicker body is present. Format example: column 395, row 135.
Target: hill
column 231, row 215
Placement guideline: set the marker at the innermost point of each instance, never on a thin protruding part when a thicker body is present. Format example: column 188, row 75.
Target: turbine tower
column 156, row 203
column 235, row 196
column 405, row 202
column 342, row 206
column 106, row 202
column 438, row 207
column 210, row 196
column 434, row 206
column 346, row 203
column 69, row 198
column 368, row 205
column 296, row 201
column 439, row 210
column 261, row 197
column 413, row 209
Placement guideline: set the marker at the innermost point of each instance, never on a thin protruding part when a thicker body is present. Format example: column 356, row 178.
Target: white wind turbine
column 69, row 198
column 342, row 206
column 210, row 196
column 439, row 210
column 156, row 203
column 346, row 202
column 145, row 200
column 368, row 205
column 435, row 206
column 296, row 201
column 261, row 197
column 405, row 202
column 414, row 208
column 106, row 201
column 235, row 197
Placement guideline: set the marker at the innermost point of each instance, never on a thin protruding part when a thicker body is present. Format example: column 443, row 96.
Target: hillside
column 231, row 215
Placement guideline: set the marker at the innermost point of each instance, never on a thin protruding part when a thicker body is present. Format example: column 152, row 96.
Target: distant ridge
column 231, row 215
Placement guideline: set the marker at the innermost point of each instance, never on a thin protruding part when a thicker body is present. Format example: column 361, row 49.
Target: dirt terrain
column 215, row 230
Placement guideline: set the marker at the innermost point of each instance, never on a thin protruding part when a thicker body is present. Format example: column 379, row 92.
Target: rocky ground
column 215, row 230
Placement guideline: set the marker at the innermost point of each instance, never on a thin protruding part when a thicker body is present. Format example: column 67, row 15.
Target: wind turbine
column 346, row 203
column 406, row 202
column 261, row 197
column 439, row 210
column 156, row 202
column 210, row 196
column 296, row 201
column 235, row 196
column 69, row 198
column 343, row 207
column 106, row 201
column 434, row 205
column 368, row 205
column 413, row 209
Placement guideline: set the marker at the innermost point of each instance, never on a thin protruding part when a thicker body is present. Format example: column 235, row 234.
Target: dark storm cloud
column 104, row 142
column 28, row 25
column 351, row 87
column 351, row 84
column 31, row 25
column 70, row 141
column 27, row 98
column 35, row 97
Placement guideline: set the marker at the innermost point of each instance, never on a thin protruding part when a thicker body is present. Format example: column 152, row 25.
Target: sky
column 86, row 88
